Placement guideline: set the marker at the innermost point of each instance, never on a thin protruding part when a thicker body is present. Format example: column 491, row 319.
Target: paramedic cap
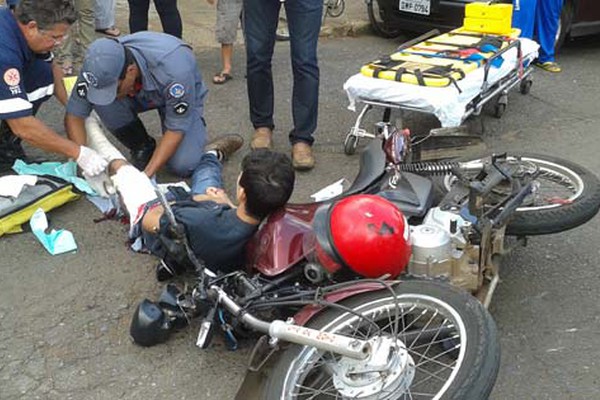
column 102, row 67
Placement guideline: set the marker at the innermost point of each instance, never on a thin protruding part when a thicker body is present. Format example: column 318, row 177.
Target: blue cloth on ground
column 57, row 241
column 66, row 171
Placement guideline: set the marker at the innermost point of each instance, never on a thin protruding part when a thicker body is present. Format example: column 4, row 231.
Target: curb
column 351, row 29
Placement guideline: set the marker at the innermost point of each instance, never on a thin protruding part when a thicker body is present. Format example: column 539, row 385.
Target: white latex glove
column 90, row 161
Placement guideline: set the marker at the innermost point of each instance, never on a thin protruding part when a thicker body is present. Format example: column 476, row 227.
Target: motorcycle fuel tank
column 278, row 244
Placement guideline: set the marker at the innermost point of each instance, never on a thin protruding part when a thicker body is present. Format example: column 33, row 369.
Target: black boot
column 135, row 137
column 10, row 148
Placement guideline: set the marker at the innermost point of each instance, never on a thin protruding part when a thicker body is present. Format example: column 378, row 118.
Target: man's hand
column 90, row 161
column 217, row 195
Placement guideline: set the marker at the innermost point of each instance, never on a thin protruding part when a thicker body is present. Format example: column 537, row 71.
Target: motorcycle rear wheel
column 450, row 336
column 567, row 196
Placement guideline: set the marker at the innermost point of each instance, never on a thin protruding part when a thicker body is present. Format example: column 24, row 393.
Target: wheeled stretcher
column 453, row 93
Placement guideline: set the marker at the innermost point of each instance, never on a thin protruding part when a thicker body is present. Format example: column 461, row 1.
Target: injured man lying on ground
column 216, row 229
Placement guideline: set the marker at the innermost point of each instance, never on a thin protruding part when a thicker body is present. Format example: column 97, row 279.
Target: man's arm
column 217, row 195
column 38, row 134
column 151, row 221
column 59, row 86
column 75, row 127
column 164, row 151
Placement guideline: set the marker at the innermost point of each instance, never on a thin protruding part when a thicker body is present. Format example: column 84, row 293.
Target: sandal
column 549, row 66
column 221, row 78
column 112, row 31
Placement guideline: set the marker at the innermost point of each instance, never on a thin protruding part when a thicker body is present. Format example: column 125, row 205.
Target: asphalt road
column 64, row 319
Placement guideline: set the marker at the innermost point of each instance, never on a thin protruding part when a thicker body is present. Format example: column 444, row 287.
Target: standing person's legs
column 524, row 16
column 72, row 51
column 138, row 15
column 228, row 17
column 304, row 23
column 260, row 22
column 169, row 17
column 87, row 27
column 546, row 27
column 105, row 17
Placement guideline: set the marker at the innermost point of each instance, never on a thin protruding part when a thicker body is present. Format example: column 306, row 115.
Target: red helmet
column 365, row 233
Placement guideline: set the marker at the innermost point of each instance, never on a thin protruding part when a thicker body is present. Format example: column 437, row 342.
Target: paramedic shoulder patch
column 181, row 108
column 12, row 77
column 176, row 90
column 82, row 90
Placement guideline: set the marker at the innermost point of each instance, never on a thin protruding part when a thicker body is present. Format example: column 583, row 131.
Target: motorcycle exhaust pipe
column 325, row 341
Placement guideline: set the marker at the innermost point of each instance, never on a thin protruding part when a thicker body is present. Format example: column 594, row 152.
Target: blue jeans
column 167, row 10
column 207, row 174
column 304, row 24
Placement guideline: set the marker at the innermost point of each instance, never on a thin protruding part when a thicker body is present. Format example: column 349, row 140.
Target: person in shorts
column 228, row 17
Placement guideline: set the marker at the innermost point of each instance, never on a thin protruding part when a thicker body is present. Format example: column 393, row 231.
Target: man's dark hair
column 268, row 180
column 46, row 13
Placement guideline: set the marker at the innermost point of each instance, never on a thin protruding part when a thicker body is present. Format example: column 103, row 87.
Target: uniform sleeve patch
column 90, row 78
column 82, row 90
column 12, row 77
column 181, row 108
column 176, row 90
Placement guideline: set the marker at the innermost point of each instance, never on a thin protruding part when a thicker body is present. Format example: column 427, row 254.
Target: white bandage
column 135, row 188
column 96, row 139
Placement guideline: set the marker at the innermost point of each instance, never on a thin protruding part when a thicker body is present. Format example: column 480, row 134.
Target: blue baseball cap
column 104, row 61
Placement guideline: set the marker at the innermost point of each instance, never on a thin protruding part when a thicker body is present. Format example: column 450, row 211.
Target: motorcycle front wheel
column 565, row 195
column 447, row 349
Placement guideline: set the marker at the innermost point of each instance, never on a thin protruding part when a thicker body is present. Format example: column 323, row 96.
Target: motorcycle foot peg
column 165, row 272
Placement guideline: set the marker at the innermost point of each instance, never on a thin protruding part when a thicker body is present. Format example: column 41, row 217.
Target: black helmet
column 149, row 325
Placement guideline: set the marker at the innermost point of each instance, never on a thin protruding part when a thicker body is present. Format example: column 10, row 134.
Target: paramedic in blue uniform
column 28, row 77
column 140, row 72
column 539, row 20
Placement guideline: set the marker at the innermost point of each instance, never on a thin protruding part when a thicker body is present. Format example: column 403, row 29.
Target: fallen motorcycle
column 335, row 328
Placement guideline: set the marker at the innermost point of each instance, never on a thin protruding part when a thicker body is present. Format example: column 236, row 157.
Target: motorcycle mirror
column 149, row 325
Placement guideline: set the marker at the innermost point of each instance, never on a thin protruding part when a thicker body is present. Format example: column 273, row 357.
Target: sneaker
column 262, row 139
column 302, row 156
column 549, row 66
column 225, row 145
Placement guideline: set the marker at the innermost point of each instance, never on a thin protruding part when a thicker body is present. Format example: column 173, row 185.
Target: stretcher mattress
column 449, row 103
column 438, row 61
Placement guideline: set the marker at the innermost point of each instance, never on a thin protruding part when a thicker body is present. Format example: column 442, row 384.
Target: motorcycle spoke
column 430, row 375
column 433, row 359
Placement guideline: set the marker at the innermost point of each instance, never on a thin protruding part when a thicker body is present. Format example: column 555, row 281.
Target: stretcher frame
column 519, row 75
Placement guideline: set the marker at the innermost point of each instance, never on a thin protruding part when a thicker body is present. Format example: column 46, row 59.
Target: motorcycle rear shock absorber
column 429, row 168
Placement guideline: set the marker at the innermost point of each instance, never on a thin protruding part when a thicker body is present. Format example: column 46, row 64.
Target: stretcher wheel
column 499, row 110
column 350, row 144
column 525, row 86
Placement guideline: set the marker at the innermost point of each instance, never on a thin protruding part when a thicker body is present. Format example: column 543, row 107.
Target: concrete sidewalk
column 199, row 19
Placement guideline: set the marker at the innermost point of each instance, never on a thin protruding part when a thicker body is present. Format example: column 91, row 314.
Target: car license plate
column 416, row 6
